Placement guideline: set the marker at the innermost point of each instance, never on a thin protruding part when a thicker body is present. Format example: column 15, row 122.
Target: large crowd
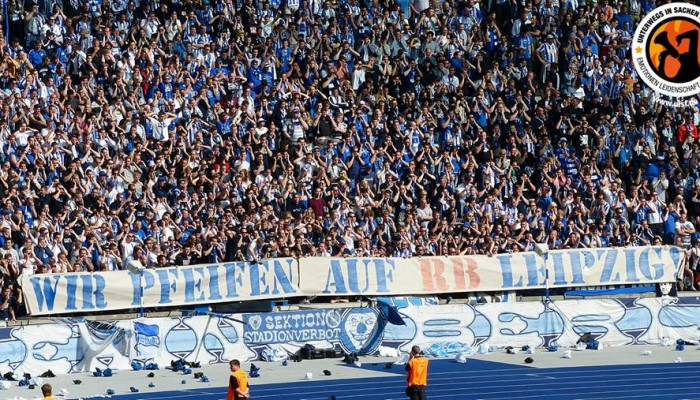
column 177, row 132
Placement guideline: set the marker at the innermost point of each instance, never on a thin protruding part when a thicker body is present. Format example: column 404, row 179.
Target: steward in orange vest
column 46, row 391
column 416, row 375
column 238, row 382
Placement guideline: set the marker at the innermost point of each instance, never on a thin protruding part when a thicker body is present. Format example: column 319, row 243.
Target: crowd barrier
column 441, row 330
column 52, row 294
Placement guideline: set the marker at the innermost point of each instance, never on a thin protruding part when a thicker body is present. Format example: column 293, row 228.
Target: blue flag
column 391, row 313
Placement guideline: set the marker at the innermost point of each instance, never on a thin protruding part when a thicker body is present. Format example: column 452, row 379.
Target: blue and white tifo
column 442, row 330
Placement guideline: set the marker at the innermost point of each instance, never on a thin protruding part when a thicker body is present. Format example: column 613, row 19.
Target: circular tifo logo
column 666, row 49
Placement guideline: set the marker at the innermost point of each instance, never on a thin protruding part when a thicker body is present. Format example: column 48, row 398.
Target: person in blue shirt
column 219, row 70
column 347, row 36
column 492, row 37
column 410, row 73
column 37, row 54
column 654, row 169
column 525, row 47
column 94, row 7
column 285, row 55
column 648, row 6
column 167, row 87
column 605, row 237
column 591, row 39
column 254, row 74
column 623, row 152
column 354, row 164
column 545, row 198
column 179, row 47
column 670, row 216
column 623, row 17
column 223, row 126
column 268, row 74
column 42, row 251
column 64, row 52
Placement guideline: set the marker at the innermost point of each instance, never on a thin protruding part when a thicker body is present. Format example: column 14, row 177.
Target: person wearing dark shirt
column 186, row 257
column 215, row 253
column 317, row 203
column 296, row 206
column 7, row 304
column 233, row 244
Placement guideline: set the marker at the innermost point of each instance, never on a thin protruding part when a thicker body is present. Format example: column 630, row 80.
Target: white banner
column 317, row 276
column 503, row 272
column 175, row 286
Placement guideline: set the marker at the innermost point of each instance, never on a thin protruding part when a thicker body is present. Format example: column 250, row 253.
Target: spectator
column 684, row 231
column 9, row 303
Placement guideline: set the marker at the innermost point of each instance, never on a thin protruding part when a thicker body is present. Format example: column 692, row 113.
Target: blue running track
column 476, row 379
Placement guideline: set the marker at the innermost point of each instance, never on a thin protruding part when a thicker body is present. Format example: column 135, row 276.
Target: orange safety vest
column 417, row 371
column 242, row 380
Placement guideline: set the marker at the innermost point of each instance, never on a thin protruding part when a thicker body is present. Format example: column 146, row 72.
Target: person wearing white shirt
column 111, row 194
column 350, row 237
column 694, row 256
column 424, row 213
column 23, row 134
column 111, row 258
column 208, row 58
column 138, row 129
column 128, row 244
column 654, row 209
column 451, row 81
column 56, row 245
column 160, row 125
column 167, row 233
column 172, row 27
column 420, row 5
column 263, row 179
column 28, row 264
column 685, row 230
column 254, row 250
column 8, row 249
column 293, row 5
column 660, row 184
column 151, row 26
column 54, row 28
column 162, row 207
